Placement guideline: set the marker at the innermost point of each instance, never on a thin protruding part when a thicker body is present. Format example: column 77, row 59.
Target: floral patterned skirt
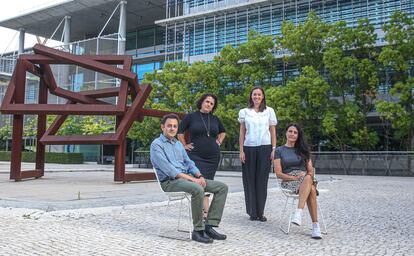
column 293, row 185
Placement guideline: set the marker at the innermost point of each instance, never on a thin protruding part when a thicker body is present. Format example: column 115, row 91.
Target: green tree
column 71, row 126
column 305, row 42
column 365, row 55
column 85, row 125
column 30, row 131
column 230, row 76
column 303, row 100
column 350, row 62
column 339, row 66
column 171, row 91
column 94, row 125
column 171, row 88
column 5, row 134
column 30, row 126
column 398, row 56
column 364, row 138
column 251, row 63
column 238, row 69
column 365, row 83
column 145, row 132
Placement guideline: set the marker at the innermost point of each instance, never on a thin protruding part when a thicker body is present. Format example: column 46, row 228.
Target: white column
column 66, row 32
column 175, row 41
column 204, row 35
column 271, row 19
column 21, row 40
column 122, row 28
column 166, row 42
column 184, row 41
column 65, row 79
column 214, row 33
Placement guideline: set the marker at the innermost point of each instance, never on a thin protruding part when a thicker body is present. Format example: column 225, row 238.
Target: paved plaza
column 84, row 212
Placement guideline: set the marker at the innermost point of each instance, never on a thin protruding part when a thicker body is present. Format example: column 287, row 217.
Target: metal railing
column 381, row 163
column 7, row 64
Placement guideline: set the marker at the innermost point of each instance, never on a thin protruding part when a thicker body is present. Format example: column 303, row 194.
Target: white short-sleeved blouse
column 257, row 126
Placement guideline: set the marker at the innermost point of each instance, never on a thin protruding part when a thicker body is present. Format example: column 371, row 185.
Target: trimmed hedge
column 51, row 157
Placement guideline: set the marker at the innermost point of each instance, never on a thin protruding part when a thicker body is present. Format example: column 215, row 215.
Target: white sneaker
column 297, row 218
column 316, row 231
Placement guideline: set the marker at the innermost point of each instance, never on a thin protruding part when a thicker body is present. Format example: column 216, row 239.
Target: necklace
column 208, row 122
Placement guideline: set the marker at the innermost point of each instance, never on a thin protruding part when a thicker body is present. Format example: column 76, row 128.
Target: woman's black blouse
column 204, row 146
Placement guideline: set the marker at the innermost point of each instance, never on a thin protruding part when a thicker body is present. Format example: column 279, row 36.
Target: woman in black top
column 293, row 165
column 206, row 135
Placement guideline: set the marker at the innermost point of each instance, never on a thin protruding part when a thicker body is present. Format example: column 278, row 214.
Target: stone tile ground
column 365, row 216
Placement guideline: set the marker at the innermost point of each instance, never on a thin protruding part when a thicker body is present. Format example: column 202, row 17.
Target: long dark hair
column 301, row 145
column 203, row 97
column 262, row 106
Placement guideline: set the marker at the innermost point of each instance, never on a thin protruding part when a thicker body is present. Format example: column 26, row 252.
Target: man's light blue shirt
column 169, row 158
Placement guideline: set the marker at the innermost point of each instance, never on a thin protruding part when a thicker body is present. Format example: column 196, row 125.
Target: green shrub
column 51, row 157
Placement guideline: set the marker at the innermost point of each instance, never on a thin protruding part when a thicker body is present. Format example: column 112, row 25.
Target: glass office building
column 187, row 30
column 146, row 46
column 199, row 29
column 159, row 31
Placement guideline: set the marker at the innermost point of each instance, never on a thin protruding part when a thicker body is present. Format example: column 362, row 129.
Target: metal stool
column 176, row 196
column 293, row 198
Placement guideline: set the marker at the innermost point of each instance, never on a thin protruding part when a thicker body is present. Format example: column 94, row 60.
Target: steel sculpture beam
column 78, row 103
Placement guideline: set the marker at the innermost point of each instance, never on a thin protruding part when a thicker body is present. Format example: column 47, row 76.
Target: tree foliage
column 347, row 56
column 398, row 56
column 304, row 100
column 5, row 134
column 338, row 70
column 305, row 42
column 351, row 64
column 230, row 76
column 332, row 94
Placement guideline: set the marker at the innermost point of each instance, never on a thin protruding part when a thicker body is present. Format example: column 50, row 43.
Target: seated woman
column 293, row 165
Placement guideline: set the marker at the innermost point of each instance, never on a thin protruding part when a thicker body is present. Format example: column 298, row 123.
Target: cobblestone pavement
column 365, row 216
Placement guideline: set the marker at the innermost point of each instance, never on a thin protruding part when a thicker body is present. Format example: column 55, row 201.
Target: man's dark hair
column 169, row 116
column 203, row 97
column 262, row 106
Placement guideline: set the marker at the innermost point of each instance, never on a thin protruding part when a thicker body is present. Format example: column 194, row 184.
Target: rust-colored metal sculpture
column 78, row 103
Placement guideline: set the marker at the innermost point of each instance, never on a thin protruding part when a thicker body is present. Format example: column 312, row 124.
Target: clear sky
column 14, row 8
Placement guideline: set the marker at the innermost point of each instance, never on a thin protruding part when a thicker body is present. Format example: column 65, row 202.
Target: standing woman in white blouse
column 257, row 147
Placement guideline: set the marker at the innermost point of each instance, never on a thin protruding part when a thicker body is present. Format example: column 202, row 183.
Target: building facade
column 159, row 31
column 199, row 29
column 154, row 32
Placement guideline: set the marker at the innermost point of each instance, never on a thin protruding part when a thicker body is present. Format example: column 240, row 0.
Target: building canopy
column 88, row 17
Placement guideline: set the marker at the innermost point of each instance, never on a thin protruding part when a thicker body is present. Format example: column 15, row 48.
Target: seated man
column 177, row 172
